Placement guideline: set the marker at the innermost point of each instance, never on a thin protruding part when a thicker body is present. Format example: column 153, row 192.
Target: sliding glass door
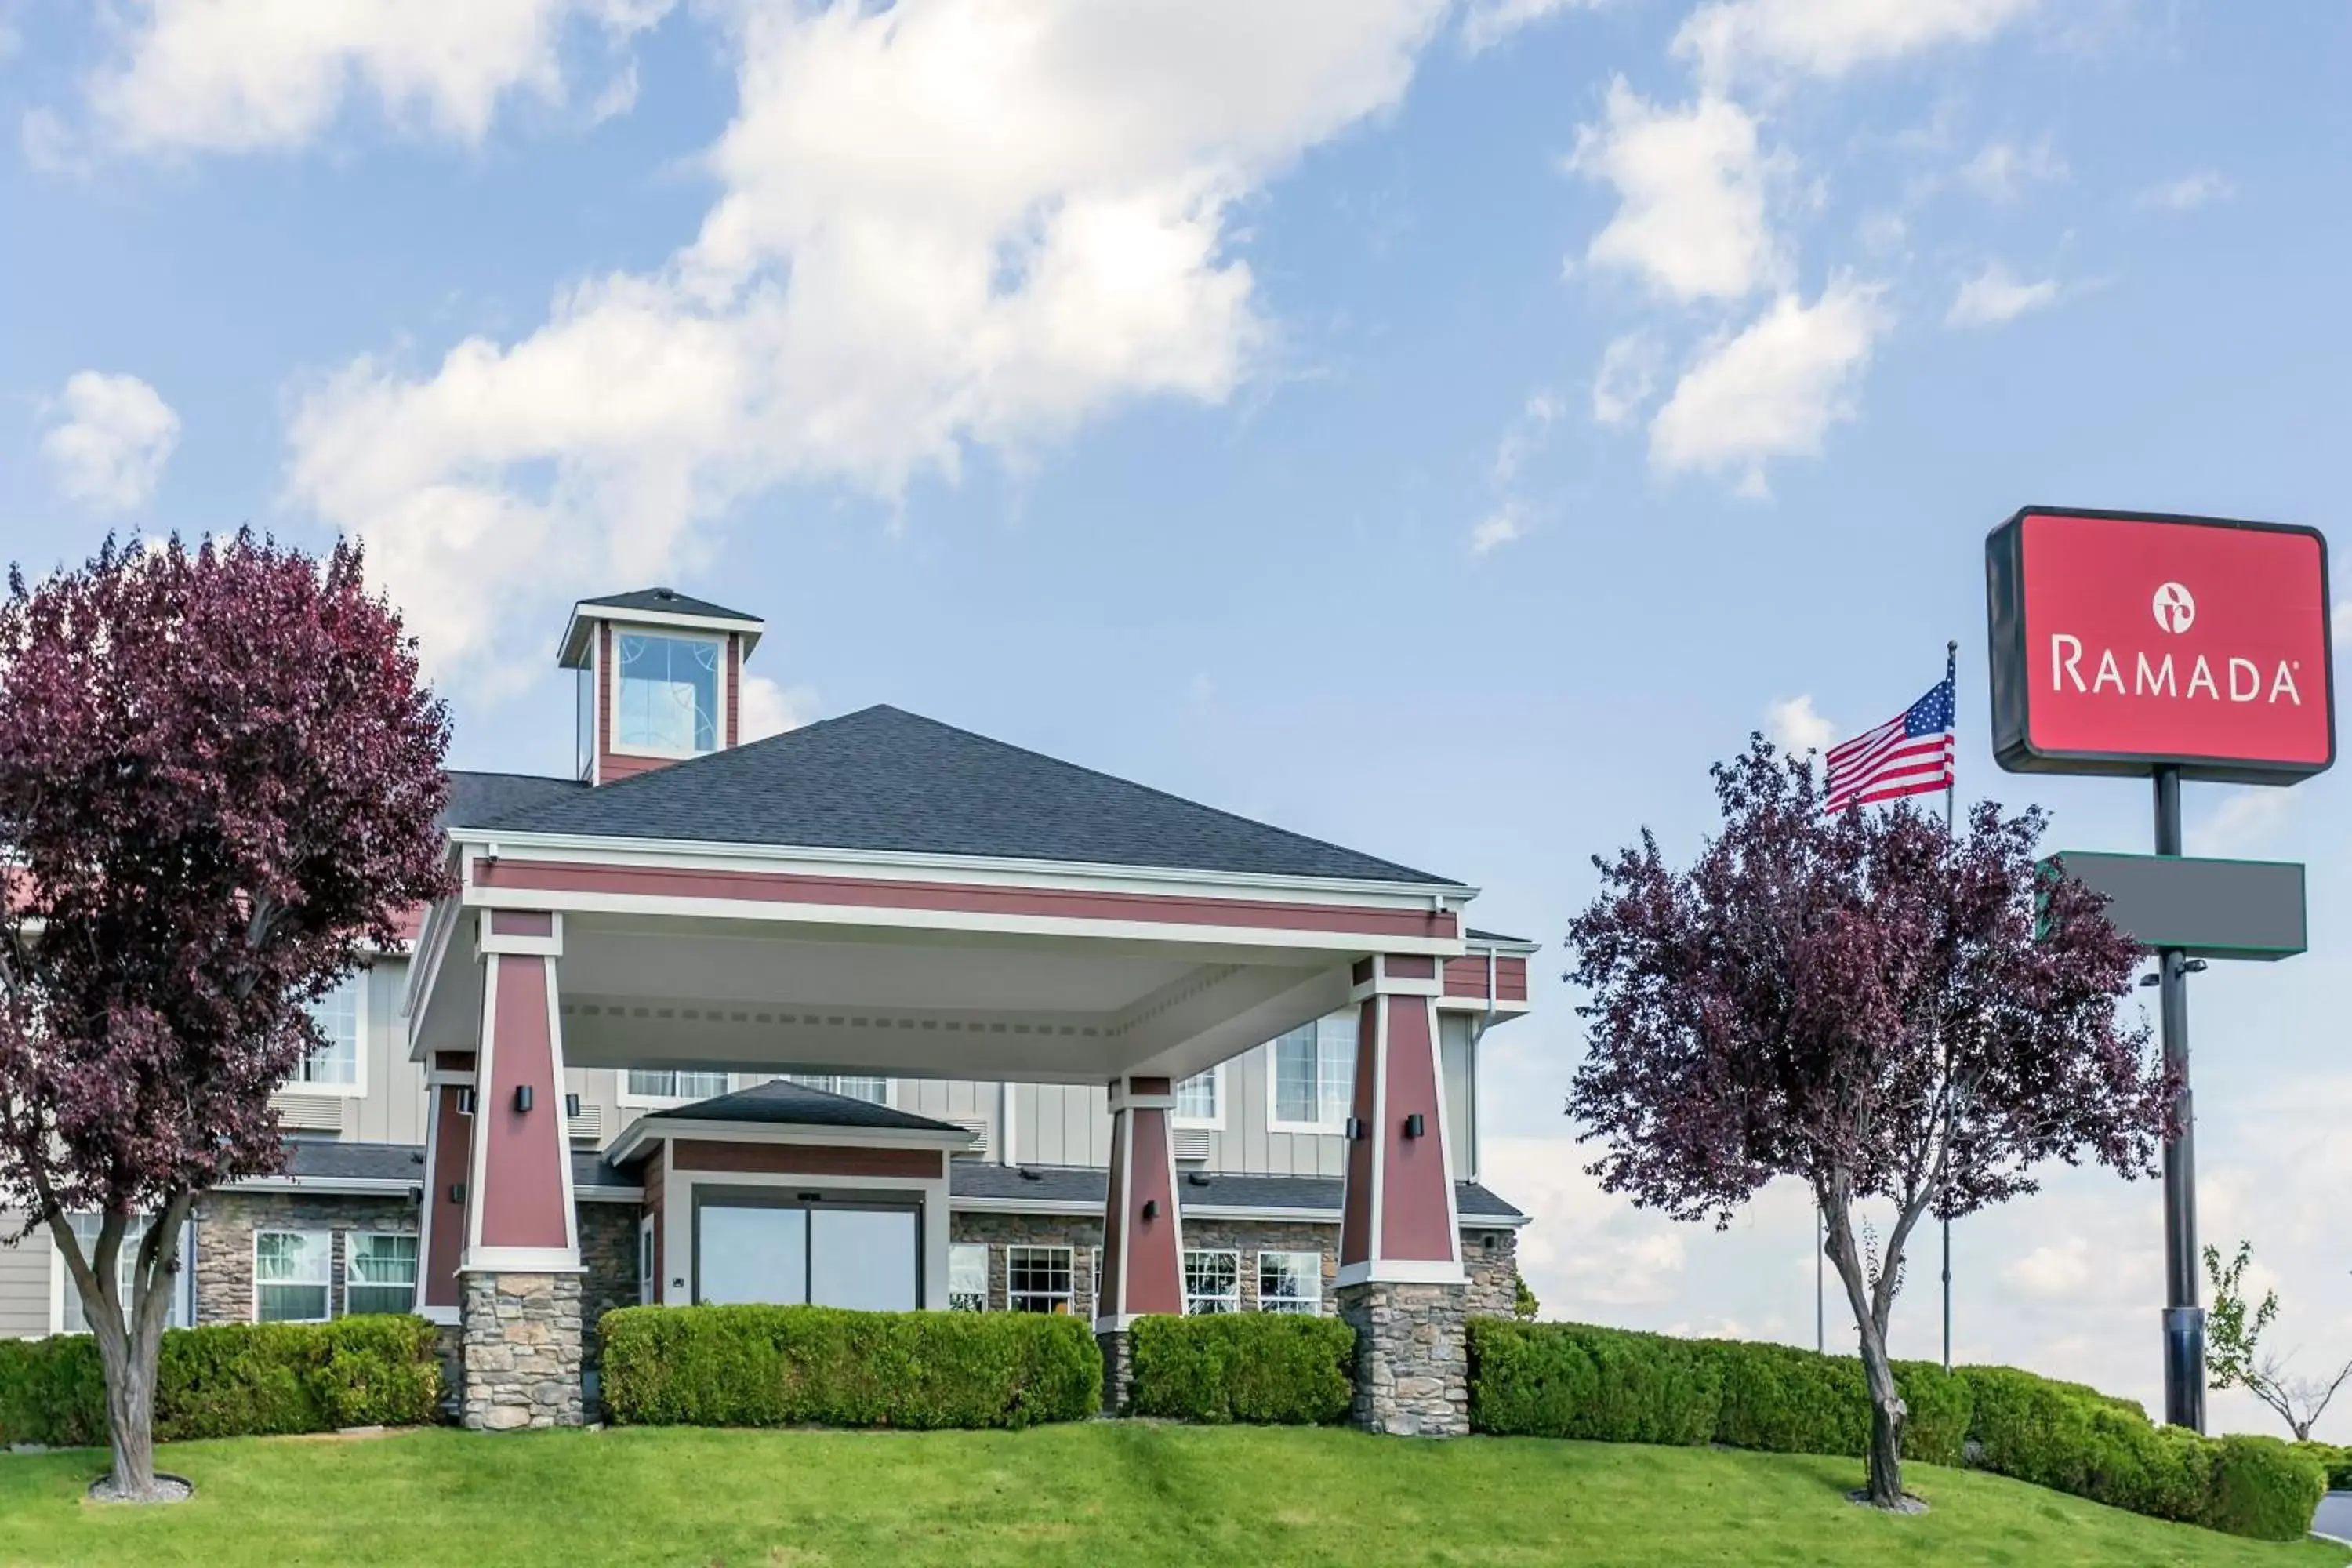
column 852, row 1253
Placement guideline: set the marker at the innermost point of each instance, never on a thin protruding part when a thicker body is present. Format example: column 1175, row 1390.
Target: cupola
column 660, row 678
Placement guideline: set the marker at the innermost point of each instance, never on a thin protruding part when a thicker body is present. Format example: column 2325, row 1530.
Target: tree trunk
column 131, row 1413
column 1871, row 1304
column 1887, row 1415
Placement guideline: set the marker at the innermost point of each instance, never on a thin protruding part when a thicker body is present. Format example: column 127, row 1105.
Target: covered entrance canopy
column 884, row 894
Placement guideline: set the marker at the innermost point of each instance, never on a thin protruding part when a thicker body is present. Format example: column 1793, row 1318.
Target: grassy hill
column 1101, row 1494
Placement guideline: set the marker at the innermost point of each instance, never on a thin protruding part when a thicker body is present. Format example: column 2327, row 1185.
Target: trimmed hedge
column 1569, row 1379
column 821, row 1366
column 1282, row 1369
column 2335, row 1461
column 231, row 1380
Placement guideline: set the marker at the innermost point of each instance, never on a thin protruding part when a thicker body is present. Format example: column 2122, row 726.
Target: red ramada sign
column 2123, row 641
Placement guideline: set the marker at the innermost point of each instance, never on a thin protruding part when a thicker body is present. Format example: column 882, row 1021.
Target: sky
column 1444, row 426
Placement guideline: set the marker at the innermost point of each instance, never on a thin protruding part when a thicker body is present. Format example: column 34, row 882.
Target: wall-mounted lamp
column 1412, row 1125
column 1151, row 1208
column 465, row 1102
column 1355, row 1129
column 572, row 1107
column 456, row 1192
column 522, row 1097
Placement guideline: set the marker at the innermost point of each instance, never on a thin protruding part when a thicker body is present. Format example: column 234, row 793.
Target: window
column 379, row 1273
column 668, row 694
column 1314, row 1074
column 290, row 1269
column 876, row 1090
column 751, row 1247
column 1213, row 1282
column 336, row 1064
column 644, row 1086
column 1290, row 1282
column 584, row 752
column 1199, row 1100
column 71, row 1319
column 1037, row 1278
column 968, row 1277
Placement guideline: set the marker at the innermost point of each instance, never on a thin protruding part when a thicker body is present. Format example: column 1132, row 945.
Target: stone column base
column 521, row 1352
column 1119, row 1370
column 1412, row 1358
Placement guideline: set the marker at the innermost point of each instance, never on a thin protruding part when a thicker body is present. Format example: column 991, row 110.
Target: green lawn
column 1099, row 1495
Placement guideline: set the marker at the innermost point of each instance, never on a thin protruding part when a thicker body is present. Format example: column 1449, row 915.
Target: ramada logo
column 2175, row 612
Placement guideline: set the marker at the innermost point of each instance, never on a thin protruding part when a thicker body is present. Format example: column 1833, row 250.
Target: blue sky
column 1534, row 395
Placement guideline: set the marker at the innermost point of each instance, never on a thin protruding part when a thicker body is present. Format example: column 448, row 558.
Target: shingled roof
column 783, row 1104
column 884, row 779
column 668, row 600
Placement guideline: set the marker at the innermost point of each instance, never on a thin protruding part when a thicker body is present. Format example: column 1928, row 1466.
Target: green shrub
column 1278, row 1369
column 231, row 1380
column 2074, row 1439
column 1607, row 1385
column 792, row 1366
column 1784, row 1400
column 2335, row 1461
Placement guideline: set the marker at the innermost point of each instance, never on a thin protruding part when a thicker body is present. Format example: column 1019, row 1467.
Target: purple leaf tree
column 1881, row 1009
column 219, row 783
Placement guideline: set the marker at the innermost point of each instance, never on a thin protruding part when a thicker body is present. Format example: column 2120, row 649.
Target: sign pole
column 2184, row 1319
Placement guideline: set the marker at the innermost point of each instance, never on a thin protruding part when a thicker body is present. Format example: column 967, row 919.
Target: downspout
column 1005, row 1123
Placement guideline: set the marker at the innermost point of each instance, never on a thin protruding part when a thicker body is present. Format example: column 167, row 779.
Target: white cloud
column 2188, row 191
column 108, row 440
column 1489, row 22
column 2342, row 624
column 1587, row 1249
column 2245, row 821
column 1995, row 297
column 1775, row 389
column 1626, row 376
column 771, row 708
column 1728, row 39
column 2054, row 1271
column 238, row 75
column 954, row 223
column 1794, row 726
column 2002, row 172
column 1526, row 435
column 1691, row 221
column 1499, row 527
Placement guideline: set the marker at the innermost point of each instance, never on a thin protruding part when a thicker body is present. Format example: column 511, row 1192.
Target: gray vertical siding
column 1454, row 1033
column 24, row 1283
column 392, row 1109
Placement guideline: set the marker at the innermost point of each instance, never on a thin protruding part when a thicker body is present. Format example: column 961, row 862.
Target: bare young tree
column 2234, row 1356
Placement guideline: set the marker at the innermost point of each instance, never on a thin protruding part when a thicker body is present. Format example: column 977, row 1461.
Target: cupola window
column 668, row 696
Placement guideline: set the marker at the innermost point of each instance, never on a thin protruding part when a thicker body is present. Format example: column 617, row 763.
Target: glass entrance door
column 748, row 1247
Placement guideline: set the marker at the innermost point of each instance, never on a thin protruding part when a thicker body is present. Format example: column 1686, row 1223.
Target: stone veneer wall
column 608, row 1249
column 522, row 1351
column 226, row 1222
column 1412, row 1359
column 1082, row 1237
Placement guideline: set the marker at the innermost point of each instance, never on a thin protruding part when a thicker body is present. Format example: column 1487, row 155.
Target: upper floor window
column 669, row 693
column 336, row 1064
column 643, row 1085
column 1314, row 1074
column 1198, row 1099
column 874, row 1091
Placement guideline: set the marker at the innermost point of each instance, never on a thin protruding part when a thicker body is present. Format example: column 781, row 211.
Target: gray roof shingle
column 783, row 1103
column 331, row 1160
column 884, row 779
column 668, row 600
column 476, row 800
column 1084, row 1187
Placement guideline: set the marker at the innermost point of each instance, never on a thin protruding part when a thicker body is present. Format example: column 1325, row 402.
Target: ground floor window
column 1213, row 1282
column 71, row 1318
column 291, row 1275
column 968, row 1277
column 1037, row 1278
column 379, row 1272
column 1290, row 1281
column 748, row 1247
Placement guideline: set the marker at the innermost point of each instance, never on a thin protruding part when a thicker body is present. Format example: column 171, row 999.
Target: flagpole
column 1951, row 793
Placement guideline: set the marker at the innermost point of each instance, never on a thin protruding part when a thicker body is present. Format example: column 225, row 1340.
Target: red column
column 448, row 1161
column 519, row 1216
column 1143, row 1237
column 1399, row 1225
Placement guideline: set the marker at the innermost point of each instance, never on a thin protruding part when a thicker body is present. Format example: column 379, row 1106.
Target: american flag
column 1911, row 754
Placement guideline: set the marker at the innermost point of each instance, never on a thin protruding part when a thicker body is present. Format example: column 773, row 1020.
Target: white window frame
column 1214, row 1123
column 1299, row 1306
column 890, row 1085
column 1275, row 1120
column 1232, row 1302
column 967, row 1248
column 1069, row 1299
column 183, row 1289
column 328, row 1283
column 613, row 714
column 626, row 1096
column 352, row 1239
column 357, row 1087
column 648, row 1277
